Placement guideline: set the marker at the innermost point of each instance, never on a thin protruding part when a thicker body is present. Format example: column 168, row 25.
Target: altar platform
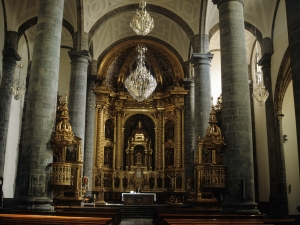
column 138, row 198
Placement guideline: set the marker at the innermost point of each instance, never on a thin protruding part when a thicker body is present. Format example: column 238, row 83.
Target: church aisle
column 136, row 221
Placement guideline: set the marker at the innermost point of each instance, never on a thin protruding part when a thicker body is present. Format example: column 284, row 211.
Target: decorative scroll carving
column 109, row 130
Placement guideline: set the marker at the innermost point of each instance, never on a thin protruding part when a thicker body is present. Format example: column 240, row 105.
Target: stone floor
column 134, row 221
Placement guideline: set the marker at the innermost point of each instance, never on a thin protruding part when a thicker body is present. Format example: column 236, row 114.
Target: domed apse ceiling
column 127, row 61
column 119, row 61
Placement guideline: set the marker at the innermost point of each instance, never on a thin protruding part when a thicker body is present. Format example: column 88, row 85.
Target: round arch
column 133, row 7
column 283, row 80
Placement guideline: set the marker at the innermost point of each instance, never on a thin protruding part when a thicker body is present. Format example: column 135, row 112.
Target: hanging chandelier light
column 140, row 83
column 18, row 86
column 142, row 23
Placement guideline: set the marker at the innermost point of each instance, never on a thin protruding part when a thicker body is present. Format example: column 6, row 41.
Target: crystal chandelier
column 18, row 86
column 140, row 83
column 259, row 93
column 142, row 23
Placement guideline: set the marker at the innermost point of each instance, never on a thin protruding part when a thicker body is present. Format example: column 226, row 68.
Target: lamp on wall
column 18, row 86
column 142, row 23
column 140, row 83
column 259, row 93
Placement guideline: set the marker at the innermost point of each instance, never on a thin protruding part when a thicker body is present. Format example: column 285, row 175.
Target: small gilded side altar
column 66, row 169
column 209, row 168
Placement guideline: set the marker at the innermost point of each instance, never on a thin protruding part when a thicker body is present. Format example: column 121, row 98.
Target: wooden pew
column 211, row 222
column 114, row 213
column 48, row 219
column 168, row 216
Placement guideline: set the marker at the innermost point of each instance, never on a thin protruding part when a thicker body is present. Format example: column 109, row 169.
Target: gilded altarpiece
column 139, row 145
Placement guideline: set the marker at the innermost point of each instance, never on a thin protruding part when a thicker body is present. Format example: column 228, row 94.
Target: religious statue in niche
column 117, row 181
column 125, row 182
column 109, row 129
column 107, row 180
column 159, row 182
column 169, row 157
column 206, row 155
column 108, row 156
column 151, row 181
column 98, row 180
column 179, row 181
column 70, row 153
column 85, row 182
column 169, row 130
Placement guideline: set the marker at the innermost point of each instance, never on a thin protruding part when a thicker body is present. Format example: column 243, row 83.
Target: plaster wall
column 215, row 73
column 64, row 73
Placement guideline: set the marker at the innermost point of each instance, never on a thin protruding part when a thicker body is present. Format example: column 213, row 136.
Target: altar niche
column 139, row 151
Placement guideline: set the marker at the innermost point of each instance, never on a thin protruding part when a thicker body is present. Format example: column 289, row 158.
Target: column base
column 34, row 204
column 240, row 208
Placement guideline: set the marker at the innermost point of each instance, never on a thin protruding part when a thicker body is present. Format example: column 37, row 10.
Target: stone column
column 90, row 125
column 78, row 86
column 293, row 22
column 34, row 192
column 10, row 57
column 278, row 195
column 202, row 93
column 236, row 113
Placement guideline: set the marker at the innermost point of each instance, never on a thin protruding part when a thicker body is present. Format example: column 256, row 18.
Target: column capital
column 74, row 55
column 10, row 54
column 265, row 61
column 219, row 2
column 201, row 58
column 189, row 81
